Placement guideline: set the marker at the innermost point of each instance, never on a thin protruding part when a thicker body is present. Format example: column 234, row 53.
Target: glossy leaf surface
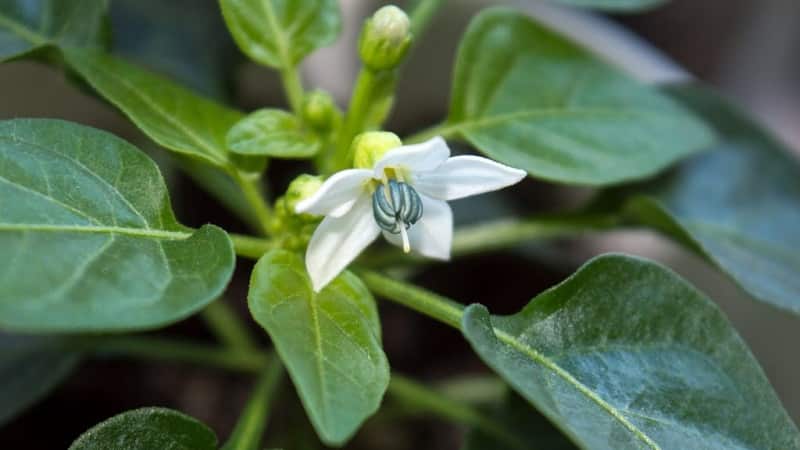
column 624, row 354
column 329, row 341
column 89, row 238
column 531, row 99
column 148, row 429
column 274, row 133
column 280, row 33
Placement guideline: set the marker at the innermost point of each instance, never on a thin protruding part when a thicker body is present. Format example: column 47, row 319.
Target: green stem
column 250, row 246
column 226, row 325
column 444, row 130
column 354, row 119
column 255, row 199
column 421, row 15
column 293, row 86
column 421, row 397
column 432, row 305
column 250, row 427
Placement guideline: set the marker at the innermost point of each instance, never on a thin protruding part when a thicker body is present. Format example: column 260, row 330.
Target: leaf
column 280, row 33
column 148, row 429
column 30, row 367
column 624, row 354
column 89, row 238
column 330, row 342
column 27, row 26
column 272, row 132
column 531, row 428
column 185, row 39
column 618, row 6
column 533, row 100
column 172, row 116
column 738, row 205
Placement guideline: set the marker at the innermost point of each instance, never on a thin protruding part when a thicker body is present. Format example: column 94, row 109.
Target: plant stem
column 226, row 326
column 255, row 198
column 252, row 422
column 421, row 397
column 421, row 15
column 355, row 119
column 443, row 129
column 293, row 86
column 432, row 305
column 250, row 246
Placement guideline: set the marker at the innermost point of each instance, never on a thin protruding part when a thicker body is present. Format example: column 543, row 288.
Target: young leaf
column 274, row 133
column 626, row 355
column 329, row 341
column 531, row 99
column 28, row 26
column 738, row 205
column 172, row 116
column 616, row 5
column 89, row 238
column 281, row 33
column 148, row 429
column 30, row 367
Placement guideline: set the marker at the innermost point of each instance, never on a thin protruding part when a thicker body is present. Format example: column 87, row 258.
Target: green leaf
column 280, row 33
column 533, row 100
column 29, row 26
column 30, row 367
column 329, row 341
column 274, row 133
column 615, row 5
column 624, row 354
column 738, row 205
column 89, row 238
column 172, row 116
column 148, row 429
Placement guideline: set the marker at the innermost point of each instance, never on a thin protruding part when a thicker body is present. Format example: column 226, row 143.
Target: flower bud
column 385, row 38
column 369, row 147
column 320, row 111
column 301, row 188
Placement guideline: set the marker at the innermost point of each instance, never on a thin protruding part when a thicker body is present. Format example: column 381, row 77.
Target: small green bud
column 320, row 111
column 369, row 147
column 385, row 38
column 301, row 188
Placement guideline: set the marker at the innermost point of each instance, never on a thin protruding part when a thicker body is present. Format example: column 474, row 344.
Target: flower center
column 396, row 206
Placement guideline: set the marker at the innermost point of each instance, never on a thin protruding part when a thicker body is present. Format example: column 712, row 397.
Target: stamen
column 396, row 208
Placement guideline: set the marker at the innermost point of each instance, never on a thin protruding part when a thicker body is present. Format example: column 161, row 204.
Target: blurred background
column 747, row 49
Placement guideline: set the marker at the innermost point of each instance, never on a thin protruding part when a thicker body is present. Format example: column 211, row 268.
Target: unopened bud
column 301, row 188
column 369, row 147
column 385, row 38
column 320, row 111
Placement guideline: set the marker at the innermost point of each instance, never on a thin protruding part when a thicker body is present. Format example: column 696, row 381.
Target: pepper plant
column 623, row 354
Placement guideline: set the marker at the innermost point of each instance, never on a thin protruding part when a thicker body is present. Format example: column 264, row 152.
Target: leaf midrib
column 280, row 38
column 566, row 376
column 127, row 231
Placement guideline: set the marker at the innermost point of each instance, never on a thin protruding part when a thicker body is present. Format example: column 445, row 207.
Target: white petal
column 463, row 176
column 337, row 241
column 337, row 194
column 432, row 236
column 418, row 157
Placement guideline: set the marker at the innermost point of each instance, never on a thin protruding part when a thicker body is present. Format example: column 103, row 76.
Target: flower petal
column 418, row 157
column 432, row 236
column 463, row 176
column 337, row 194
column 337, row 241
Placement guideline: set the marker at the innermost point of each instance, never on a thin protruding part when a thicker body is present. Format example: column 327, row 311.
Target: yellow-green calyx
column 385, row 38
column 370, row 147
column 320, row 111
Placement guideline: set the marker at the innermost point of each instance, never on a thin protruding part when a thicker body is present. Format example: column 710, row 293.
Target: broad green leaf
column 148, row 429
column 30, row 367
column 624, row 354
column 738, row 205
column 274, row 133
column 27, row 26
column 533, row 100
column 185, row 39
column 329, row 341
column 89, row 238
column 530, row 427
column 280, row 33
column 172, row 116
column 615, row 5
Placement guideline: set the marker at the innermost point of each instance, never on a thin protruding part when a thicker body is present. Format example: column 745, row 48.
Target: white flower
column 406, row 177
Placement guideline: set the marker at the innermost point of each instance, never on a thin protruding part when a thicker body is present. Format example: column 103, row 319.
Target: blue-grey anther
column 395, row 206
